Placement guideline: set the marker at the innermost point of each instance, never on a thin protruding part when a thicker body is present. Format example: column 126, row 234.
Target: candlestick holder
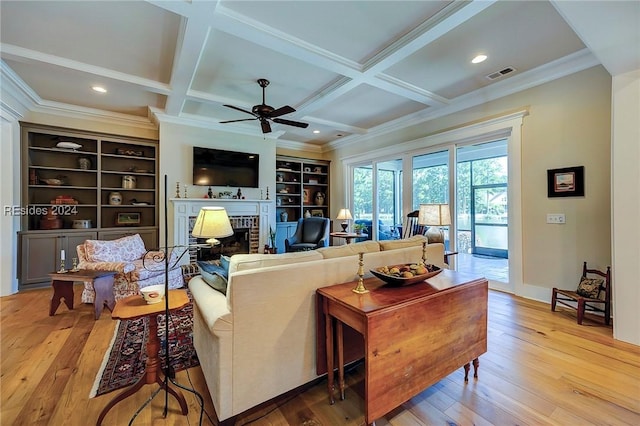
column 62, row 270
column 185, row 191
column 360, row 289
column 177, row 189
column 267, row 193
column 424, row 253
column 75, row 265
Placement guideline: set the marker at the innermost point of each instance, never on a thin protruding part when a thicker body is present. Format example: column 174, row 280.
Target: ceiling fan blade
column 291, row 123
column 240, row 109
column 281, row 111
column 234, row 121
column 266, row 128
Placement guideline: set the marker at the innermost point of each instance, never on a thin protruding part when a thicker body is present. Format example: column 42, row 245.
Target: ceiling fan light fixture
column 99, row 89
column 478, row 59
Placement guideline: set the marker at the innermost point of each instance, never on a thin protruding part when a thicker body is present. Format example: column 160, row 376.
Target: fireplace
column 245, row 239
column 249, row 218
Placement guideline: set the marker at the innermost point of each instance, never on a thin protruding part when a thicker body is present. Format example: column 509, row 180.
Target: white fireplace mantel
column 184, row 208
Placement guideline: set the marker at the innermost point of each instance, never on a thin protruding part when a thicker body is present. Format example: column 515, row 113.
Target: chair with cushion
column 410, row 227
column 136, row 267
column 592, row 294
column 311, row 233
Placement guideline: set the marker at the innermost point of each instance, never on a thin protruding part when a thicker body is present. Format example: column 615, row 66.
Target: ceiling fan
column 264, row 113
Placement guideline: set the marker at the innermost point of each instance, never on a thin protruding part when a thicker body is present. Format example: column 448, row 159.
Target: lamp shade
column 344, row 214
column 434, row 215
column 212, row 222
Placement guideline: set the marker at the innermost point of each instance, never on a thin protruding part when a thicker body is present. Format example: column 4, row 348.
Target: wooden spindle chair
column 581, row 303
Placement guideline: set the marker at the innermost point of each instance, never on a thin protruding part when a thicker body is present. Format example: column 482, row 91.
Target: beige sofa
column 259, row 340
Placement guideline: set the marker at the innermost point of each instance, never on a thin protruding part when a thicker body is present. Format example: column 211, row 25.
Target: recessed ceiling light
column 99, row 89
column 478, row 59
column 316, row 131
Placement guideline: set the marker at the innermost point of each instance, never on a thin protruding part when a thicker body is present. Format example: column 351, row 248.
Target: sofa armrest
column 120, row 267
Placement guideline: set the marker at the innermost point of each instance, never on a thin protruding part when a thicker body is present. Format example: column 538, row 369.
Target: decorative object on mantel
column 360, row 289
column 185, row 191
column 261, row 195
column 267, row 193
column 239, row 194
column 210, row 192
column 178, row 190
column 434, row 216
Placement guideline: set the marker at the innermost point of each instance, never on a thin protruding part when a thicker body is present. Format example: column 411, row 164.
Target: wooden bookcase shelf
column 299, row 181
column 78, row 181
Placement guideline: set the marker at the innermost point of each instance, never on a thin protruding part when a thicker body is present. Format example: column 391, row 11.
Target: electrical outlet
column 557, row 218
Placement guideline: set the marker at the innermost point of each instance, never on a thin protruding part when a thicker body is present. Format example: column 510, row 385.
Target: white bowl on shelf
column 153, row 293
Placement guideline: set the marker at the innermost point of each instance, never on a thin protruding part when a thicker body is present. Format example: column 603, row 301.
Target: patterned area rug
column 124, row 362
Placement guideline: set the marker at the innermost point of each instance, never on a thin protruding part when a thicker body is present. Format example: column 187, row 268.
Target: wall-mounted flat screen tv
column 216, row 167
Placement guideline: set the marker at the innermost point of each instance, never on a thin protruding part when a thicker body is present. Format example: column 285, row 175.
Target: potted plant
column 359, row 228
column 272, row 239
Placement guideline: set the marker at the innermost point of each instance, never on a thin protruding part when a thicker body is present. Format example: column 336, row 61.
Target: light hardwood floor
column 540, row 368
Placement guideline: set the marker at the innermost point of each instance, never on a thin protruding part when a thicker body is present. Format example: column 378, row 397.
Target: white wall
column 176, row 161
column 626, row 206
column 9, row 196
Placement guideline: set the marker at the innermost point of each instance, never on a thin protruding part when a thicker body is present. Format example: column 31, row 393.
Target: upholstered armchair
column 136, row 267
column 311, row 233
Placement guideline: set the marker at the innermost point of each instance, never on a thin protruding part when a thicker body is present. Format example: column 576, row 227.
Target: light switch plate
column 555, row 218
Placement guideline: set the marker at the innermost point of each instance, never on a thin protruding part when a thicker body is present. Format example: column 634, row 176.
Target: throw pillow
column 589, row 287
column 215, row 281
column 125, row 249
column 212, row 268
column 225, row 261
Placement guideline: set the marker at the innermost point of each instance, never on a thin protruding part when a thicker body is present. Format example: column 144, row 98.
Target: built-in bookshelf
column 82, row 185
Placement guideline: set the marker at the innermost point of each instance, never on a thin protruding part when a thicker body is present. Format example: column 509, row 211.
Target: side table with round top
column 133, row 307
column 62, row 283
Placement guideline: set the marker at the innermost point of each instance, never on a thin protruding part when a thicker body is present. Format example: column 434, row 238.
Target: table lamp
column 345, row 216
column 212, row 223
column 434, row 216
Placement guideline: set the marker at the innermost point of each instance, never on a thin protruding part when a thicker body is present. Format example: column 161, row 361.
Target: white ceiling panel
column 230, row 67
column 366, row 107
column 508, row 33
column 356, row 30
column 349, row 68
column 132, row 37
column 74, row 88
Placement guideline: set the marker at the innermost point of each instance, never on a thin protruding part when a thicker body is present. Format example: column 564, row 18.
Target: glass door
column 489, row 227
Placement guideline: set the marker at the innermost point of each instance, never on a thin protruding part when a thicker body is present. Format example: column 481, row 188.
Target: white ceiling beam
column 27, row 55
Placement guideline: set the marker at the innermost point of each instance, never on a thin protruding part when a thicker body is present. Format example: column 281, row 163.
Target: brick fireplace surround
column 254, row 215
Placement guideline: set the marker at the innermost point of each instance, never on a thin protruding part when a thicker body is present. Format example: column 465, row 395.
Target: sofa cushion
column 416, row 240
column 242, row 262
column 125, row 249
column 349, row 249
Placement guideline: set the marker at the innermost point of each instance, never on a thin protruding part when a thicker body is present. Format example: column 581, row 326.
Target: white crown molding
column 16, row 97
column 570, row 64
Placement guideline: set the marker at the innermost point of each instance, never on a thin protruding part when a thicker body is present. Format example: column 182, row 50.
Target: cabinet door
column 40, row 255
column 284, row 230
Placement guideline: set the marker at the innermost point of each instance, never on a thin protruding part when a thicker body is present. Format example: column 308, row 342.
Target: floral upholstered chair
column 136, row 267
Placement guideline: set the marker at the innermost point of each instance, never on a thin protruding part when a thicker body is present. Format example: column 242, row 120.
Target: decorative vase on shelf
column 115, row 198
column 284, row 216
column 307, row 214
column 319, row 198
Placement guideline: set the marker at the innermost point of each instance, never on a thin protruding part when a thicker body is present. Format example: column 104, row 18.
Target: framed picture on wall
column 566, row 182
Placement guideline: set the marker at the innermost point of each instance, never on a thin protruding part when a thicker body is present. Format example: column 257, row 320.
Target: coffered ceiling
column 349, row 68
